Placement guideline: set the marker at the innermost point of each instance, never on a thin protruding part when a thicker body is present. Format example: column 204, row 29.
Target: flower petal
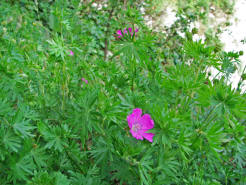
column 125, row 31
column 146, row 122
column 119, row 33
column 149, row 136
column 134, row 117
column 137, row 112
column 136, row 135
column 71, row 53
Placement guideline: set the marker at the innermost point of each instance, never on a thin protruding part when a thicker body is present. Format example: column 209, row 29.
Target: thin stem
column 238, row 85
column 63, row 85
column 216, row 75
column 133, row 66
column 107, row 33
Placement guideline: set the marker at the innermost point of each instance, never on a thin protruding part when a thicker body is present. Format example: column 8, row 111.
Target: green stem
column 216, row 75
column 64, row 84
column 106, row 41
column 238, row 85
column 133, row 66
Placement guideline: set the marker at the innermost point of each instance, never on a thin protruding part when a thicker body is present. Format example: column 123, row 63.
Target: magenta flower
column 119, row 34
column 139, row 125
column 71, row 53
column 86, row 81
column 125, row 32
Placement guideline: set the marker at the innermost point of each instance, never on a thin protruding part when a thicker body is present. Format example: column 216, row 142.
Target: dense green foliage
column 57, row 130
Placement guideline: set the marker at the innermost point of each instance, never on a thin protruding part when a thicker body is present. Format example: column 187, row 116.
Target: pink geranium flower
column 119, row 33
column 139, row 125
column 129, row 29
column 71, row 53
column 84, row 80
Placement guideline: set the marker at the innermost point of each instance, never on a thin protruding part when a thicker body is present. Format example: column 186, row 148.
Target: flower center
column 136, row 127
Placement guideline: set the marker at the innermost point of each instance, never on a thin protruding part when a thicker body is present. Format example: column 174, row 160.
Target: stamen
column 136, row 127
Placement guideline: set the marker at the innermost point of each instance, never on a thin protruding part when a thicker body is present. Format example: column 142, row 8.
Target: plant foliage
column 56, row 129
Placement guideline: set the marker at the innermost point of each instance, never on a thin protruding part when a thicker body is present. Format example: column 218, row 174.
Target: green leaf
column 21, row 168
column 4, row 107
column 215, row 137
column 39, row 156
column 145, row 168
column 42, row 178
column 101, row 152
column 61, row 179
column 24, row 128
column 10, row 140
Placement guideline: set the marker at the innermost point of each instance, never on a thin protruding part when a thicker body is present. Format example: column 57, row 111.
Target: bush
column 65, row 99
